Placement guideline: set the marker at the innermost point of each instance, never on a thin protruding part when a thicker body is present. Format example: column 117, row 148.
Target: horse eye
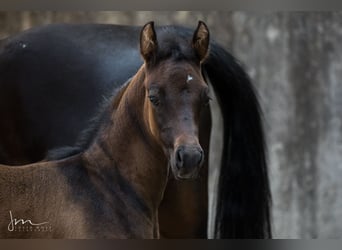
column 154, row 100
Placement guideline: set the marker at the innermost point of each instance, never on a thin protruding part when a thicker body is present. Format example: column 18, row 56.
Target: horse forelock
column 174, row 44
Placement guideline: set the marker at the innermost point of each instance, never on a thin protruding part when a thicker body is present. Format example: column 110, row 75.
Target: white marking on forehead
column 23, row 45
column 189, row 78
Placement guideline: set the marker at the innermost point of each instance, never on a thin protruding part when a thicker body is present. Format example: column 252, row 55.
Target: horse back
column 56, row 74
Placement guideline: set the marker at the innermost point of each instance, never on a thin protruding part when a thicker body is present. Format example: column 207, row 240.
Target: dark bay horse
column 53, row 79
column 114, row 188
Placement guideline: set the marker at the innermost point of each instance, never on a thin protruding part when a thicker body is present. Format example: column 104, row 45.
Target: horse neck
column 125, row 144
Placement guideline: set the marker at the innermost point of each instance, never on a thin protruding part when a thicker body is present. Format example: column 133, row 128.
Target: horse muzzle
column 187, row 161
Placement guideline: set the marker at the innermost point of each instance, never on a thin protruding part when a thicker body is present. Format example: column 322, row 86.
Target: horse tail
column 243, row 198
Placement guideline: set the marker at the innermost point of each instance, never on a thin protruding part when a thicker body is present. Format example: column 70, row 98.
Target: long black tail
column 244, row 199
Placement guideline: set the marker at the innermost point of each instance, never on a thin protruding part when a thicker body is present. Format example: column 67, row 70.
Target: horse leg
column 183, row 212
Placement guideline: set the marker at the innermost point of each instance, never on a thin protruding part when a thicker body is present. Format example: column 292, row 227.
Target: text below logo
column 21, row 225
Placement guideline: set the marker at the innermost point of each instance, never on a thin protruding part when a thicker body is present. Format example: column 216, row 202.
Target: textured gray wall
column 295, row 60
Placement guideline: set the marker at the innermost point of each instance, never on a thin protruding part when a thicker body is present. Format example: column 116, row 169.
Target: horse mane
column 87, row 135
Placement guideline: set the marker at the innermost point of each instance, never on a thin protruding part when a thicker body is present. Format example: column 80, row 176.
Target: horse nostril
column 179, row 158
column 201, row 157
column 189, row 157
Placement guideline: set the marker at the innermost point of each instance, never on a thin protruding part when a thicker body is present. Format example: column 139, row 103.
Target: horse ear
column 200, row 40
column 148, row 41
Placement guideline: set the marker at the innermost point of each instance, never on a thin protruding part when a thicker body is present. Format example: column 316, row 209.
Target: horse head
column 175, row 95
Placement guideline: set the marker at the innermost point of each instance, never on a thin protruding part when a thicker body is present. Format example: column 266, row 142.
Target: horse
column 114, row 188
column 54, row 78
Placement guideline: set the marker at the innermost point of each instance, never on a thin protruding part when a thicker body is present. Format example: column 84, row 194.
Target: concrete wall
column 295, row 60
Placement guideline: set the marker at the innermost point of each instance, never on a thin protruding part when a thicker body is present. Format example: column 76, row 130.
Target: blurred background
column 295, row 62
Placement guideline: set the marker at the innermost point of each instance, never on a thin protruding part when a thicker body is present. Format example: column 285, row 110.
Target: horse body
column 79, row 197
column 53, row 80
column 114, row 188
column 73, row 203
column 99, row 193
